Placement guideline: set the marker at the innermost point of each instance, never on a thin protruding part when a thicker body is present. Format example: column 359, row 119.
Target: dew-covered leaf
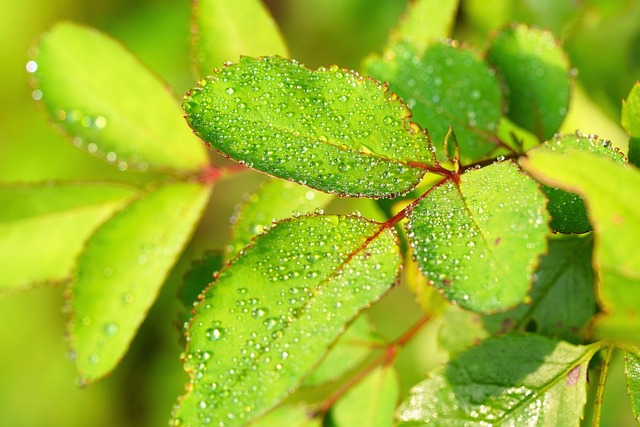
column 632, row 371
column 371, row 402
column 568, row 214
column 288, row 415
column 425, row 22
column 536, row 73
column 517, row 380
column 121, row 270
column 329, row 129
column 348, row 352
column 445, row 86
column 478, row 241
column 99, row 94
column 275, row 310
column 224, row 31
column 631, row 123
column 44, row 227
column 276, row 199
column 611, row 192
column 199, row 276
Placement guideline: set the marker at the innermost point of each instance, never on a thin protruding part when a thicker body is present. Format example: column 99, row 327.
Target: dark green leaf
column 329, row 129
column 631, row 123
column 632, row 370
column 611, row 192
column 121, row 270
column 199, row 276
column 44, row 227
column 536, row 73
column 513, row 380
column 274, row 311
column 479, row 240
column 371, row 402
column 445, row 86
column 226, row 30
column 102, row 96
column 276, row 199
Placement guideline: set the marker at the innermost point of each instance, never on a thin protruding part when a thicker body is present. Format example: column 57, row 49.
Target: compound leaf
column 535, row 71
column 224, row 31
column 121, row 270
column 275, row 310
column 478, row 241
column 516, row 380
column 371, row 402
column 445, row 86
column 276, row 199
column 98, row 93
column 631, row 123
column 329, row 129
column 44, row 227
column 610, row 191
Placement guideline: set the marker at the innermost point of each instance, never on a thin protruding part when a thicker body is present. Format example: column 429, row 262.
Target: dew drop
column 32, row 66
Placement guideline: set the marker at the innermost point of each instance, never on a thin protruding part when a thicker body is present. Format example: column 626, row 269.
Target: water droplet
column 32, row 66
column 110, row 329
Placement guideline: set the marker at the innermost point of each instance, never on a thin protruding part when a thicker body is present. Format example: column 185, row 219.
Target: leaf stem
column 597, row 410
column 211, row 174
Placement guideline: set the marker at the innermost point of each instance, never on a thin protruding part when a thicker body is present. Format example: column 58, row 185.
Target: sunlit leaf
column 513, row 380
column 289, row 416
column 425, row 22
column 568, row 214
column 276, row 199
column 224, row 31
column 44, row 227
column 611, row 192
column 121, row 270
column 445, row 86
column 275, row 310
column 631, row 123
column 329, row 129
column 478, row 240
column 632, row 371
column 371, row 402
column 535, row 71
column 98, row 93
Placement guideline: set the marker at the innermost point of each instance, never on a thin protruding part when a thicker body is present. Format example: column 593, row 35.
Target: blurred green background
column 37, row 381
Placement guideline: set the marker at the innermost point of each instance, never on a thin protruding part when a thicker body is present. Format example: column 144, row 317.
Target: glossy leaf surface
column 371, row 402
column 611, row 192
column 535, row 71
column 478, row 241
column 631, row 123
column 44, row 227
column 99, row 94
column 329, row 129
column 276, row 199
column 525, row 380
column 425, row 22
column 225, row 30
column 445, row 86
column 121, row 270
column 274, row 311
column 632, row 371
column 568, row 214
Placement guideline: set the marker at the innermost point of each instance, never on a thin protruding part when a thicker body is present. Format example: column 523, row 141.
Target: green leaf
column 121, row 270
column 611, row 192
column 568, row 213
column 632, row 370
column 199, row 276
column 536, row 73
column 348, row 352
column 371, row 402
column 631, row 123
column 98, row 93
column 275, row 310
column 513, row 380
column 329, row 129
column 445, row 86
column 44, row 227
column 224, row 31
column 290, row 416
column 276, row 199
column 424, row 22
column 478, row 240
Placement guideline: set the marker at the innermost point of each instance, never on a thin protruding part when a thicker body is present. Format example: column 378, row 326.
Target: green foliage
column 465, row 143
